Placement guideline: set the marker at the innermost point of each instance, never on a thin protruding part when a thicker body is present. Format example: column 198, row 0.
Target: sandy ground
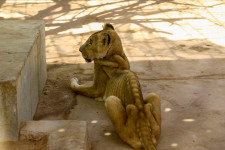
column 176, row 47
column 57, row 98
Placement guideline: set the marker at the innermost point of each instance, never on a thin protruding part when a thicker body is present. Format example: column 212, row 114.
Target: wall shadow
column 2, row 2
column 124, row 14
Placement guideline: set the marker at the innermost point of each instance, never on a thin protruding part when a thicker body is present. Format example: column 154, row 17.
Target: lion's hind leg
column 152, row 110
column 116, row 112
column 124, row 120
column 154, row 100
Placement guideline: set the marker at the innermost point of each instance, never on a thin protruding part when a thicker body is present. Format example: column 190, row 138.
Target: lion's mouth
column 87, row 60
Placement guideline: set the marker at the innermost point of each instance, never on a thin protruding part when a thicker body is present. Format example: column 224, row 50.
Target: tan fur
column 136, row 120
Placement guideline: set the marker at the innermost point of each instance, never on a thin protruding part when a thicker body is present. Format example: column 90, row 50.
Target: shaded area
column 124, row 14
column 57, row 98
column 40, row 144
column 190, row 98
column 191, row 105
column 2, row 2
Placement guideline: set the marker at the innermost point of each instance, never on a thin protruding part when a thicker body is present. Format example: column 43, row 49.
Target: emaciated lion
column 136, row 120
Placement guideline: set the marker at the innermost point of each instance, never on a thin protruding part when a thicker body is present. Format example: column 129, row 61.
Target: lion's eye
column 89, row 43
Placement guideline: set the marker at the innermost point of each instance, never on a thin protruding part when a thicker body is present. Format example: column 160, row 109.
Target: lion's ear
column 106, row 39
column 108, row 26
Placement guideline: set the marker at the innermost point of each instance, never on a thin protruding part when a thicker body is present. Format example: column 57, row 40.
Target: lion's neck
column 109, row 71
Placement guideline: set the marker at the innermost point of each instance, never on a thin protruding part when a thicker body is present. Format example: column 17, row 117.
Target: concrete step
column 60, row 134
column 22, row 73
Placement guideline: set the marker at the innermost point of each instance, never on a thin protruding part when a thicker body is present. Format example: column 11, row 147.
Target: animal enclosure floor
column 192, row 114
column 192, row 110
column 176, row 47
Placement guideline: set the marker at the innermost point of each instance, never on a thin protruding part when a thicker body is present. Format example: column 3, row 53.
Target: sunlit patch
column 134, row 26
column 104, row 6
column 139, row 17
column 50, row 28
column 85, row 28
column 165, row 23
column 167, row 109
column 4, row 15
column 107, row 7
column 188, row 120
column 93, row 2
column 61, row 130
column 59, row 21
column 161, row 25
column 30, row 1
column 89, row 12
column 65, row 17
column 94, row 121
column 208, row 131
column 65, row 32
column 94, row 26
column 107, row 133
column 12, row 15
column 174, row 144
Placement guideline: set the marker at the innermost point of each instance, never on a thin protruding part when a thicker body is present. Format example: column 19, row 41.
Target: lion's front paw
column 74, row 83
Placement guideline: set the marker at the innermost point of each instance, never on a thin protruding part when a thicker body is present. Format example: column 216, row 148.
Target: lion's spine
column 136, row 92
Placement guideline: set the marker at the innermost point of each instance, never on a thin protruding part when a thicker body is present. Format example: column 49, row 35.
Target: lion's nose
column 80, row 49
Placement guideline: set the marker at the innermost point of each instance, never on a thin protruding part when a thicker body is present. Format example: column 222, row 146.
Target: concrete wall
column 8, row 111
column 21, row 80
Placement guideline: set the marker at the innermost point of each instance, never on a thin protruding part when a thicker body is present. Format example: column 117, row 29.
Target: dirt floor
column 57, row 98
column 176, row 47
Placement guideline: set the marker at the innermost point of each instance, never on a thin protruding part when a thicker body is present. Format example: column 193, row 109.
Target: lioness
column 136, row 120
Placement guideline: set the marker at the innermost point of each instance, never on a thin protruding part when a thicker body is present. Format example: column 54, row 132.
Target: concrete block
column 22, row 73
column 62, row 134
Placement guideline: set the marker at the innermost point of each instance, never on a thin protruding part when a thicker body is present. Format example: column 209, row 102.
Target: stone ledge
column 148, row 69
column 62, row 134
column 22, row 73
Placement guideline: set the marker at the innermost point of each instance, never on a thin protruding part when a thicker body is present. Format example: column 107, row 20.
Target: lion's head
column 101, row 44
